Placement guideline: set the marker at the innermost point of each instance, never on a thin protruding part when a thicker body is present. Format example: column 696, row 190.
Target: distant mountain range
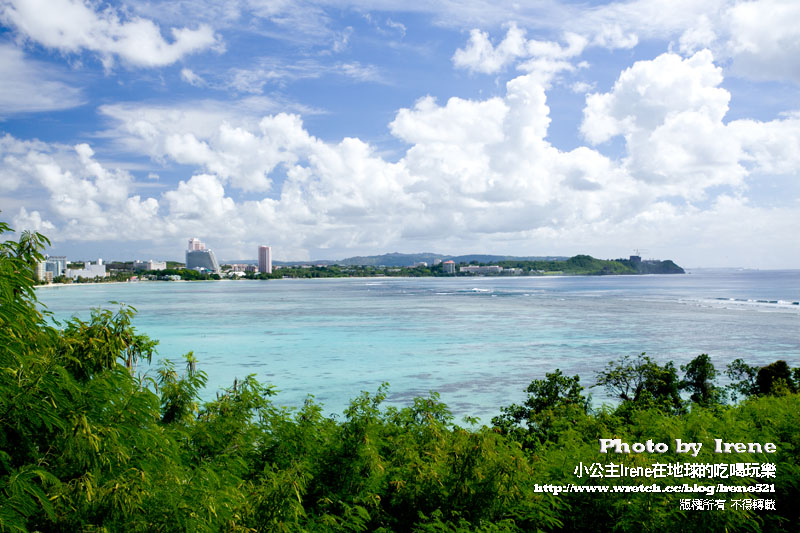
column 400, row 260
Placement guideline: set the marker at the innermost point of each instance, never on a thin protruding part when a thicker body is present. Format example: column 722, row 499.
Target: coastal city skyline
column 547, row 128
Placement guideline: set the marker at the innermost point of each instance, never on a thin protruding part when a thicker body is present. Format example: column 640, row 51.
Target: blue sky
column 332, row 129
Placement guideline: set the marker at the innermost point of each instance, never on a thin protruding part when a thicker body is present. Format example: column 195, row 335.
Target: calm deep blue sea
column 477, row 341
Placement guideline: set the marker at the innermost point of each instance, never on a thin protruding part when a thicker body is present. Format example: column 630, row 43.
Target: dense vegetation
column 578, row 265
column 86, row 444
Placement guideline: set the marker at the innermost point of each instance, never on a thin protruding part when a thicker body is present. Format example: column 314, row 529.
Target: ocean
column 477, row 341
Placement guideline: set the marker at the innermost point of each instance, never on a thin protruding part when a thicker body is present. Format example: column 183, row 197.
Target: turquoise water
column 477, row 341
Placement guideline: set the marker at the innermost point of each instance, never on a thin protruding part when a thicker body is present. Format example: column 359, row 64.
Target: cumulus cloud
column 646, row 93
column 83, row 199
column 25, row 221
column 244, row 155
column 202, row 199
column 671, row 111
column 144, row 128
column 480, row 55
column 74, row 25
column 543, row 58
column 28, row 86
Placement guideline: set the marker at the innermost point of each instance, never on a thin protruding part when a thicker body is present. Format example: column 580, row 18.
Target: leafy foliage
column 641, row 381
column 699, row 380
column 551, row 403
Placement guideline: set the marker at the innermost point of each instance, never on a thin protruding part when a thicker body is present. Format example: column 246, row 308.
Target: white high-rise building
column 196, row 244
column 200, row 258
column 265, row 259
column 57, row 264
column 41, row 271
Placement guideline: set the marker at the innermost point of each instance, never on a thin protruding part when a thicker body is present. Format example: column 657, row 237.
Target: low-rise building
column 481, row 270
column 149, row 265
column 89, row 270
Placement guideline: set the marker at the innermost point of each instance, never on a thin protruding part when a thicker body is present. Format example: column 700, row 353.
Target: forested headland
column 579, row 265
column 88, row 444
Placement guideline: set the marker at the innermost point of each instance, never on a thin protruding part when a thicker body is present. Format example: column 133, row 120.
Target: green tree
column 640, row 381
column 775, row 378
column 743, row 379
column 699, row 377
column 557, row 398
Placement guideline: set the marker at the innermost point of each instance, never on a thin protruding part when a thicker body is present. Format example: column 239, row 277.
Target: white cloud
column 28, row 86
column 82, row 198
column 613, row 36
column 480, row 55
column 25, row 221
column 244, row 155
column 622, row 23
column 399, row 26
column 201, row 198
column 761, row 38
column 582, row 87
column 545, row 59
column 460, row 122
column 770, row 147
column 145, row 128
column 342, row 40
column 542, row 59
column 271, row 71
column 764, row 39
column 646, row 93
column 671, row 113
column 16, row 168
column 699, row 36
column 73, row 25
column 191, row 78
column 358, row 72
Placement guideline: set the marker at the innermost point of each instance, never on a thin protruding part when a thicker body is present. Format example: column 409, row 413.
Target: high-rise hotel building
column 198, row 257
column 265, row 259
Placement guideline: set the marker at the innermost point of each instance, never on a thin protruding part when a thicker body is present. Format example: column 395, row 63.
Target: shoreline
column 481, row 277
column 88, row 283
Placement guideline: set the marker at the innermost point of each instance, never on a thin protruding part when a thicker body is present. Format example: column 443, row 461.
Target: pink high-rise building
column 265, row 259
column 196, row 244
